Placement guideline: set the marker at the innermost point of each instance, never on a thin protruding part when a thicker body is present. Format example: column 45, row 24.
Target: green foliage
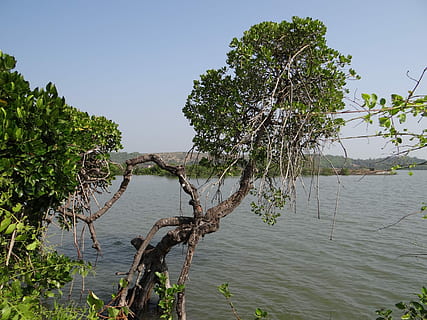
column 269, row 208
column 32, row 309
column 35, row 277
column 46, row 148
column 98, row 309
column 274, row 101
column 413, row 310
column 152, row 170
column 167, row 295
column 275, row 69
column 225, row 291
column 260, row 314
column 393, row 116
column 42, row 140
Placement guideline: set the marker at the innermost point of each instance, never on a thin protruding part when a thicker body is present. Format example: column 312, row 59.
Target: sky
column 135, row 61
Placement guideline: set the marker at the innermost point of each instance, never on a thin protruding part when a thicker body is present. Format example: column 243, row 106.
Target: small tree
column 271, row 104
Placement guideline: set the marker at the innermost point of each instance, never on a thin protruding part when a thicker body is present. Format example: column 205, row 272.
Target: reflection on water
column 292, row 270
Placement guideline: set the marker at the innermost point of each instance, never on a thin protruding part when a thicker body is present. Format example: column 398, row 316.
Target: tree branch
column 165, row 222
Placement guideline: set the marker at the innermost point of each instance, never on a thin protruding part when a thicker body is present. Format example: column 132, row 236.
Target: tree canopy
column 280, row 77
column 274, row 101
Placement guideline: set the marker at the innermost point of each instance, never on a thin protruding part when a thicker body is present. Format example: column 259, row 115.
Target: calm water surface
column 292, row 270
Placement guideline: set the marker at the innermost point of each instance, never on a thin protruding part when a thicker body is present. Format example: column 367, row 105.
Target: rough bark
column 189, row 230
column 150, row 259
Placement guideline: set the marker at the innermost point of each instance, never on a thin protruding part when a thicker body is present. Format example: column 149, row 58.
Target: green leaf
column 400, row 305
column 39, row 103
column 17, row 208
column 385, row 122
column 5, row 312
column 94, row 302
column 366, row 97
column 402, row 117
column 10, row 62
column 396, row 97
column 5, row 223
column 18, row 133
column 19, row 113
column 10, row 228
column 225, row 290
column 113, row 312
column 123, row 283
column 32, row 246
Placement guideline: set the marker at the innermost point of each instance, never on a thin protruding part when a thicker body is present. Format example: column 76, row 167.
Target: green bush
column 45, row 147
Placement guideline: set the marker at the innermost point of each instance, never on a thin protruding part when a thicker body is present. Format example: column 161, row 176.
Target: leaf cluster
column 413, row 310
column 280, row 76
column 394, row 115
column 225, row 291
column 42, row 140
column 33, row 278
column 167, row 295
column 272, row 103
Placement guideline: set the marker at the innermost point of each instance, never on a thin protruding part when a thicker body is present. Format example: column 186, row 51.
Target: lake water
column 292, row 270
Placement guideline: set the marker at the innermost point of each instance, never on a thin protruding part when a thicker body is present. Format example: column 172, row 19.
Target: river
column 292, row 270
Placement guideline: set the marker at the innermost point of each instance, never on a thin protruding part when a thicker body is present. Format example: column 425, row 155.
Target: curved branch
column 122, row 188
column 227, row 206
column 165, row 222
column 95, row 243
column 178, row 171
column 192, row 243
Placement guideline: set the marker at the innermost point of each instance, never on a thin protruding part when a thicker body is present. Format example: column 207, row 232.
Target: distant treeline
column 387, row 163
column 323, row 165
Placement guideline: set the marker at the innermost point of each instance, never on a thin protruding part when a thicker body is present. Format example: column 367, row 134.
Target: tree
column 273, row 102
column 51, row 157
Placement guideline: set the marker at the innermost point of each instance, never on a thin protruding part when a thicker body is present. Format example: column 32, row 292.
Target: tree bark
column 188, row 230
column 150, row 259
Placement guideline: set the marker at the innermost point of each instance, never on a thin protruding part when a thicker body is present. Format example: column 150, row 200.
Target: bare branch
column 165, row 222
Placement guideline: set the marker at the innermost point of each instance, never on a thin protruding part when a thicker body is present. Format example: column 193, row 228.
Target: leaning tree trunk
column 141, row 278
column 149, row 259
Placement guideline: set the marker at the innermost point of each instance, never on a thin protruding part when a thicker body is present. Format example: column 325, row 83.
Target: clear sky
column 134, row 61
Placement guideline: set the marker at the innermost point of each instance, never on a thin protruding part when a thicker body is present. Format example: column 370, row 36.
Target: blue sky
column 135, row 61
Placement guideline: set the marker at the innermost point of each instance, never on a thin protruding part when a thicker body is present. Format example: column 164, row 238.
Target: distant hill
column 327, row 161
column 169, row 157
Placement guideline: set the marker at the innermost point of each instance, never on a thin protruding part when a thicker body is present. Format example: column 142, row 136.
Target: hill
column 327, row 161
column 169, row 157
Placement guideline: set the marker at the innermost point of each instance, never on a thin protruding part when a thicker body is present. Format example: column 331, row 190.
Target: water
column 292, row 270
